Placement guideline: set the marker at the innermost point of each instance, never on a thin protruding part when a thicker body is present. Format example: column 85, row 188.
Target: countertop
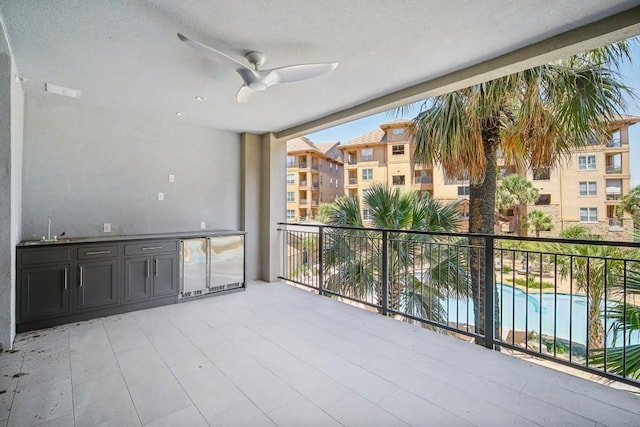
column 128, row 237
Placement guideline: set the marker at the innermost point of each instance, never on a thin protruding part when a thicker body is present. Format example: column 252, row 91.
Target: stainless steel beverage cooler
column 211, row 264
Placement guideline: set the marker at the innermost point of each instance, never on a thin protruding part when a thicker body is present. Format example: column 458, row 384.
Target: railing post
column 320, row 260
column 385, row 272
column 489, row 297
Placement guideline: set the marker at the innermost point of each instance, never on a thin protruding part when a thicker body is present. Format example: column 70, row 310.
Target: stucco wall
column 85, row 166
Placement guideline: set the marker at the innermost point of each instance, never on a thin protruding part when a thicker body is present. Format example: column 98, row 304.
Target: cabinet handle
column 81, row 276
column 65, row 278
column 155, row 267
column 150, row 248
column 146, row 265
column 98, row 252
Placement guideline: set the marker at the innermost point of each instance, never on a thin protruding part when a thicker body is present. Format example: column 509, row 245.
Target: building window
column 367, row 174
column 544, row 199
column 615, row 140
column 291, row 197
column 588, row 214
column 586, row 163
column 397, row 150
column 397, row 131
column 541, row 174
column 336, row 182
column 320, row 179
column 461, row 178
column 291, row 161
column 463, row 190
column 587, row 188
column 366, row 154
column 366, row 215
column 398, row 179
column 330, row 180
column 291, row 214
column 291, row 178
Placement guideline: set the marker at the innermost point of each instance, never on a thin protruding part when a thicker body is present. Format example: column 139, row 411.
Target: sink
column 44, row 242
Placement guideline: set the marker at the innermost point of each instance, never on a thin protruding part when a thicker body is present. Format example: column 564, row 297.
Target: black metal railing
column 575, row 302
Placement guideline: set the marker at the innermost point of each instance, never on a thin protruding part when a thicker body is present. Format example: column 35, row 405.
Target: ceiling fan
column 256, row 79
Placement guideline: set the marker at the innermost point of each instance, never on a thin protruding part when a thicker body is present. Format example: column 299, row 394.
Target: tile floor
column 277, row 355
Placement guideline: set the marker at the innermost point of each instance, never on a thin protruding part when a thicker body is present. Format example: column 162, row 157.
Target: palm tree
column 539, row 221
column 535, row 117
column 594, row 268
column 623, row 359
column 515, row 191
column 421, row 269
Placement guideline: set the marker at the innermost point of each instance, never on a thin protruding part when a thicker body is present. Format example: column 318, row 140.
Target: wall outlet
column 160, row 196
column 172, row 177
column 203, row 225
column 106, row 227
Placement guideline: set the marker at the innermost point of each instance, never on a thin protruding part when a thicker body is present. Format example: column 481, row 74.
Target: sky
column 630, row 72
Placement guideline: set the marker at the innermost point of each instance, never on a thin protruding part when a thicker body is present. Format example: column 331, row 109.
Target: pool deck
column 278, row 355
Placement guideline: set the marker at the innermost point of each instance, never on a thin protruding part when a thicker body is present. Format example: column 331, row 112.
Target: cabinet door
column 97, row 284
column 165, row 275
column 137, row 279
column 44, row 292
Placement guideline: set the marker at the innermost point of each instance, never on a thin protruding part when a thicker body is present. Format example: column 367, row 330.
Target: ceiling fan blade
column 244, row 94
column 211, row 52
column 296, row 73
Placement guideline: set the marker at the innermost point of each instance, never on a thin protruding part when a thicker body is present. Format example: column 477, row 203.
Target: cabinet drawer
column 147, row 248
column 95, row 252
column 45, row 255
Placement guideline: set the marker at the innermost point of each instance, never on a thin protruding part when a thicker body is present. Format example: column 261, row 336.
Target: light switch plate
column 160, row 196
column 172, row 177
column 106, row 227
column 203, row 225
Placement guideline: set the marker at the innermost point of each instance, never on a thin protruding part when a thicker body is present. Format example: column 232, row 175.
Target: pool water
column 535, row 312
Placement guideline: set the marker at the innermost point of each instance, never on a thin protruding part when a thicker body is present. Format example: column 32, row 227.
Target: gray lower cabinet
column 44, row 292
column 152, row 272
column 64, row 282
column 97, row 284
column 165, row 275
column 137, row 279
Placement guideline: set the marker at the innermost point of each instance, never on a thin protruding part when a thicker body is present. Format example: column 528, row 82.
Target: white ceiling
column 124, row 54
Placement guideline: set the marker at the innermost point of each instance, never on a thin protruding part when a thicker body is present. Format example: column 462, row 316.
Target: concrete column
column 250, row 200
column 11, row 128
column 273, row 204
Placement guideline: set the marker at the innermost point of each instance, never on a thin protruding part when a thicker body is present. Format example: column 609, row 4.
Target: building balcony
column 314, row 203
column 616, row 224
column 351, row 161
column 315, row 185
column 353, row 181
column 303, row 201
column 560, row 330
column 303, row 183
column 614, row 197
column 614, row 169
column 303, row 165
column 314, row 166
column 616, row 143
column 294, row 358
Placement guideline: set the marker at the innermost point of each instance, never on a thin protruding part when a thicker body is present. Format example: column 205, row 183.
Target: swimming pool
column 535, row 313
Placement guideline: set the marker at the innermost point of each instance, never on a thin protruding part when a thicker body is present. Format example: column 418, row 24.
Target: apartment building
column 585, row 190
column 588, row 188
column 314, row 176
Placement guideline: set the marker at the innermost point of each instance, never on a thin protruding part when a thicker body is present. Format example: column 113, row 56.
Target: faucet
column 48, row 237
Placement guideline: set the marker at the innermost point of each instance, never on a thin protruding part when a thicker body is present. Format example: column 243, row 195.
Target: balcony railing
column 424, row 179
column 315, row 184
column 314, row 166
column 616, row 222
column 614, row 196
column 303, row 201
column 353, row 181
column 614, row 169
column 569, row 301
column 314, row 203
column 302, row 165
column 614, row 143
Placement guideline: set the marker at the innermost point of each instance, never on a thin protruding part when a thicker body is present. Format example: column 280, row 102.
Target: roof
column 625, row 119
column 326, row 149
column 301, row 144
column 376, row 136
